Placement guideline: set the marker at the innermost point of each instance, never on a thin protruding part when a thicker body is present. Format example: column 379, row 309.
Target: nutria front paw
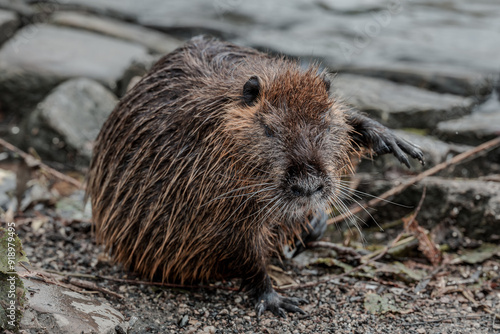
column 277, row 304
column 387, row 142
column 315, row 231
column 369, row 133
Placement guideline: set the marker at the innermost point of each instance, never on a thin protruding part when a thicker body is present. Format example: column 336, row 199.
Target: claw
column 315, row 231
column 259, row 309
column 293, row 308
column 371, row 134
column 411, row 149
column 278, row 305
column 294, row 301
column 281, row 313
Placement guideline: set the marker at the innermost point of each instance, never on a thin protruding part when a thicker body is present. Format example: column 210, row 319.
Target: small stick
column 396, row 190
column 166, row 285
column 31, row 160
column 68, row 276
column 91, row 286
column 339, row 249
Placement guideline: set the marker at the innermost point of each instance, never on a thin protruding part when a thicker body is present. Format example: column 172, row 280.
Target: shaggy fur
column 195, row 173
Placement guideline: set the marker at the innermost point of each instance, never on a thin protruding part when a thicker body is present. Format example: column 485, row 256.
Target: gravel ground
column 456, row 298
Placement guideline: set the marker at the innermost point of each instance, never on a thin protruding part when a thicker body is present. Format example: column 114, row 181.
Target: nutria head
column 295, row 138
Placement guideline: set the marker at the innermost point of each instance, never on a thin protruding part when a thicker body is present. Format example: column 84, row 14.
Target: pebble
column 209, row 329
column 184, row 321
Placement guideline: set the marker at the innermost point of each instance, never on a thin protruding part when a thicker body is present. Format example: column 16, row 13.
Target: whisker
column 361, row 206
column 344, row 186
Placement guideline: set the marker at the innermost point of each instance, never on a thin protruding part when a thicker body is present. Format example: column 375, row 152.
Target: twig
column 425, row 281
column 339, row 249
column 91, row 286
column 395, row 241
column 70, row 274
column 32, row 161
column 396, row 190
column 166, row 285
column 68, row 278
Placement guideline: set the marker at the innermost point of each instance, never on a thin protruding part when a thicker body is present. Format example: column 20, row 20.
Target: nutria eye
column 268, row 131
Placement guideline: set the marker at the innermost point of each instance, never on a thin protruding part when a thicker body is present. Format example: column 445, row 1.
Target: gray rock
column 64, row 311
column 74, row 207
column 442, row 79
column 135, row 71
column 7, row 188
column 17, row 6
column 8, row 25
column 482, row 125
column 153, row 40
column 41, row 56
column 120, row 8
column 352, row 7
column 398, row 105
column 65, row 124
column 471, row 205
column 362, row 32
column 202, row 17
column 401, row 31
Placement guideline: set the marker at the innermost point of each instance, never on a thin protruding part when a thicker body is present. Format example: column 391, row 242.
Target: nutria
column 215, row 159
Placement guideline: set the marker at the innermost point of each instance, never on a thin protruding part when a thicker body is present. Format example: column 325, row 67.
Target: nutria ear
column 327, row 84
column 251, row 90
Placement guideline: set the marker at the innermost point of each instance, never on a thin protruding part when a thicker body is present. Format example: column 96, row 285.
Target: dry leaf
column 280, row 277
column 425, row 244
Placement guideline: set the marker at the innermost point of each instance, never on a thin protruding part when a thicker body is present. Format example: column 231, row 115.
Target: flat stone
column 460, row 33
column 64, row 311
column 17, row 6
column 352, row 7
column 122, row 8
column 7, row 188
column 41, row 56
column 442, row 79
column 471, row 205
column 398, row 105
column 136, row 71
column 474, row 129
column 65, row 124
column 153, row 40
column 8, row 24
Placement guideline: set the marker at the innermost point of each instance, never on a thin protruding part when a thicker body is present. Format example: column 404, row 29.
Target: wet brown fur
column 187, row 185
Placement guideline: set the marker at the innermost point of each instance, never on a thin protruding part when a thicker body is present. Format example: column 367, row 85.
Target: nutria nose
column 306, row 189
column 304, row 180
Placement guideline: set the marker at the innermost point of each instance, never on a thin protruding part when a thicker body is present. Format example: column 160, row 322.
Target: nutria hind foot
column 314, row 232
column 261, row 290
column 272, row 301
